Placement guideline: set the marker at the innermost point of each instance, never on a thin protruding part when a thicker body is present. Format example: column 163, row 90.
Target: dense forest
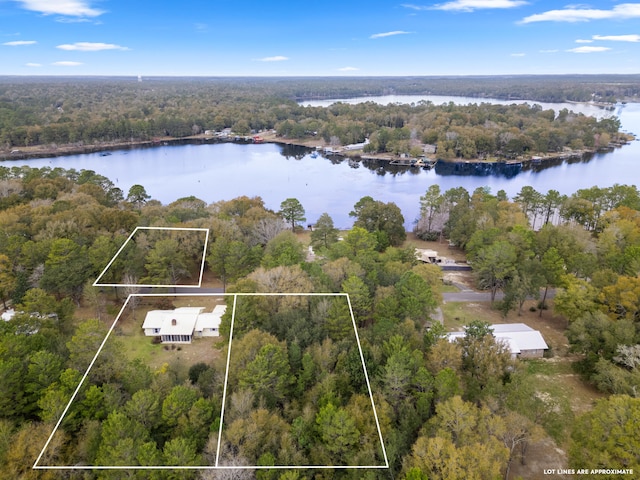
column 298, row 395
column 49, row 113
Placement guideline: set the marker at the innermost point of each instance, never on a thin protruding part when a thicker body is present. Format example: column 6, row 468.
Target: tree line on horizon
column 62, row 112
column 447, row 410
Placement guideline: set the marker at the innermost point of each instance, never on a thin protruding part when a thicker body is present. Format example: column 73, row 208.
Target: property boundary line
column 226, row 379
column 204, row 255
column 36, row 465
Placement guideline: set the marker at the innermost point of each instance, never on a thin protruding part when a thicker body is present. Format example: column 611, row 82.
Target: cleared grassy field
column 182, row 356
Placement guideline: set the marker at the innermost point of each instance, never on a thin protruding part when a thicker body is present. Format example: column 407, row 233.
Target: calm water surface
column 224, row 171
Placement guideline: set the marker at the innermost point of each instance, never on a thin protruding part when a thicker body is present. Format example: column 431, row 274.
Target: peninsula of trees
column 43, row 116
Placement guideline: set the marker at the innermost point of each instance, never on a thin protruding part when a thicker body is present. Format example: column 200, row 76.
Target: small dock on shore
column 424, row 163
column 407, row 162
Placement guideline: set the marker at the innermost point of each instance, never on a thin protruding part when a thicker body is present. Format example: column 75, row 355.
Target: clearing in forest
column 291, row 389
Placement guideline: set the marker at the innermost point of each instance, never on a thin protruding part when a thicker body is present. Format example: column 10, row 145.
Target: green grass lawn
column 179, row 356
column 139, row 346
column 544, row 367
column 458, row 314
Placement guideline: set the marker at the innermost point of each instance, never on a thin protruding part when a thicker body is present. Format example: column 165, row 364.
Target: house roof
column 518, row 336
column 210, row 320
column 183, row 320
column 523, row 335
column 180, row 321
column 511, row 327
column 425, row 254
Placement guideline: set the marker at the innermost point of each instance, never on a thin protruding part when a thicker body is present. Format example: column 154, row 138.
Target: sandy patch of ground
column 443, row 248
column 200, row 350
column 463, row 280
column 540, row 456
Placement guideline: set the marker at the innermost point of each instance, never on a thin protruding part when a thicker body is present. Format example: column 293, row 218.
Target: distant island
column 50, row 116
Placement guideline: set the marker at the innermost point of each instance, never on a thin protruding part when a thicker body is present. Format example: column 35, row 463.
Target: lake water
column 274, row 172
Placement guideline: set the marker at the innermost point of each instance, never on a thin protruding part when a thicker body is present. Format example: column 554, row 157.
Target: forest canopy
column 54, row 112
column 446, row 409
column 298, row 394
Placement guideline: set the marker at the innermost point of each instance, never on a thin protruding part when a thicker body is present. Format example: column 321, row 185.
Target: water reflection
column 478, row 169
column 333, row 184
column 294, row 152
column 442, row 168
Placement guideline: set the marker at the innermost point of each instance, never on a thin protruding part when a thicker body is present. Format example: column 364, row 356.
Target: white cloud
column 389, row 34
column 67, row 64
column 618, row 38
column 277, row 58
column 583, row 40
column 582, row 14
column 471, row 5
column 73, row 8
column 18, row 43
column 348, row 69
column 588, row 49
column 77, row 20
column 90, row 47
column 415, row 7
column 33, row 64
column 518, row 54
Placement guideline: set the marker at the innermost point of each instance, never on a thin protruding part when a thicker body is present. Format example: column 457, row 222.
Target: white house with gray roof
column 183, row 324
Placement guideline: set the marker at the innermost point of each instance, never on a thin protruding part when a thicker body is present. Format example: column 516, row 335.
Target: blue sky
column 323, row 38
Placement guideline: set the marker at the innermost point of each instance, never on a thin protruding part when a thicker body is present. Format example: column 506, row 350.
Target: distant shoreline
column 41, row 151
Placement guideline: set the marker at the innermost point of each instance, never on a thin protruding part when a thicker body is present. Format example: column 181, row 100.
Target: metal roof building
column 522, row 340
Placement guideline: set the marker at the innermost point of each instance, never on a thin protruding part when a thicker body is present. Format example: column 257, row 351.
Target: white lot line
column 217, row 466
column 173, row 229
